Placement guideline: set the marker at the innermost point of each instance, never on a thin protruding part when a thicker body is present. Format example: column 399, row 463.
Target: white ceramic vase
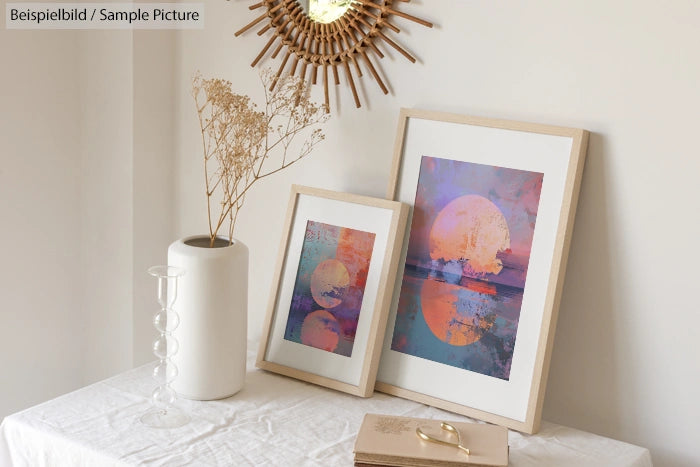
column 212, row 301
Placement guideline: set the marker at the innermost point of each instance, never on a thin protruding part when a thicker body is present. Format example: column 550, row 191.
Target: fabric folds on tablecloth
column 274, row 421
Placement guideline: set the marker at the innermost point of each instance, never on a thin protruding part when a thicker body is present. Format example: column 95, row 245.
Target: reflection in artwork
column 466, row 264
column 329, row 287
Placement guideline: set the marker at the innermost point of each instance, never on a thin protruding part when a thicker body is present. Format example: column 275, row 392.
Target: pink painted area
column 447, row 320
column 470, row 228
column 321, row 330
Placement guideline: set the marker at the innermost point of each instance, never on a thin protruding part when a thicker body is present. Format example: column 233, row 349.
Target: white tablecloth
column 274, row 420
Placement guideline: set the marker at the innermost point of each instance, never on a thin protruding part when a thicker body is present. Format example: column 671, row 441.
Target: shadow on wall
column 584, row 381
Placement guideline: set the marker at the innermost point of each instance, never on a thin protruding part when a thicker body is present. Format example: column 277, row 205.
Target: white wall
column 39, row 218
column 625, row 361
column 153, row 175
column 85, row 185
column 107, row 244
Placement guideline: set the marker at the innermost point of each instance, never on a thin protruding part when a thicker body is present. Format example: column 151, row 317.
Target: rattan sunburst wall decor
column 340, row 35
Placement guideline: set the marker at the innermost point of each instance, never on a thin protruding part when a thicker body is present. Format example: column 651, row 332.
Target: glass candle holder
column 164, row 413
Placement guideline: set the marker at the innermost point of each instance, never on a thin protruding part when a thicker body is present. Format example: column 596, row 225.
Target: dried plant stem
column 238, row 140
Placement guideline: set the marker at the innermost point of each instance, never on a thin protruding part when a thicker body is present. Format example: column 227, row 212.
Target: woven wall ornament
column 345, row 43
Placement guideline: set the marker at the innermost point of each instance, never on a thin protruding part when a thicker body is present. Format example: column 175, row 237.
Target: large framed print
column 332, row 289
column 473, row 315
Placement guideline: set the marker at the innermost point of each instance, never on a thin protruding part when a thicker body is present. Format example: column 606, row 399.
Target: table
column 274, row 420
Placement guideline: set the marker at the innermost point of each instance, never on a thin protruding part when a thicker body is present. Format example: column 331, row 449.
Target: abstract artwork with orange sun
column 329, row 287
column 466, row 264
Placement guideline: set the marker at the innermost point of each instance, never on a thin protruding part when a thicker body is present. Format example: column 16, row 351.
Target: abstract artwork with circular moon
column 329, row 287
column 466, row 264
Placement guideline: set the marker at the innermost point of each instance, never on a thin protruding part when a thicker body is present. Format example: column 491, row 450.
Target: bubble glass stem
column 164, row 413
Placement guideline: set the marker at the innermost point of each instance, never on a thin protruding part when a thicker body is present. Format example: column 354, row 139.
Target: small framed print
column 472, row 320
column 332, row 289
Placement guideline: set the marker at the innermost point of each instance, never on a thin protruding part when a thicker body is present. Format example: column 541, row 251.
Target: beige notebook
column 388, row 440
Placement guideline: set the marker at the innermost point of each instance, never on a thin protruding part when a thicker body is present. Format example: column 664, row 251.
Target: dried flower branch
column 238, row 139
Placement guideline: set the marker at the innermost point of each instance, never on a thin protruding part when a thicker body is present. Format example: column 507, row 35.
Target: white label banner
column 104, row 15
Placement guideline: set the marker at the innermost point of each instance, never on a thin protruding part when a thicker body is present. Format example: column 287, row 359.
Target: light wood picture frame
column 332, row 289
column 480, row 277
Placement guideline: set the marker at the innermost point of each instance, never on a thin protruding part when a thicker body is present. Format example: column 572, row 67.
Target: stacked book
column 387, row 440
